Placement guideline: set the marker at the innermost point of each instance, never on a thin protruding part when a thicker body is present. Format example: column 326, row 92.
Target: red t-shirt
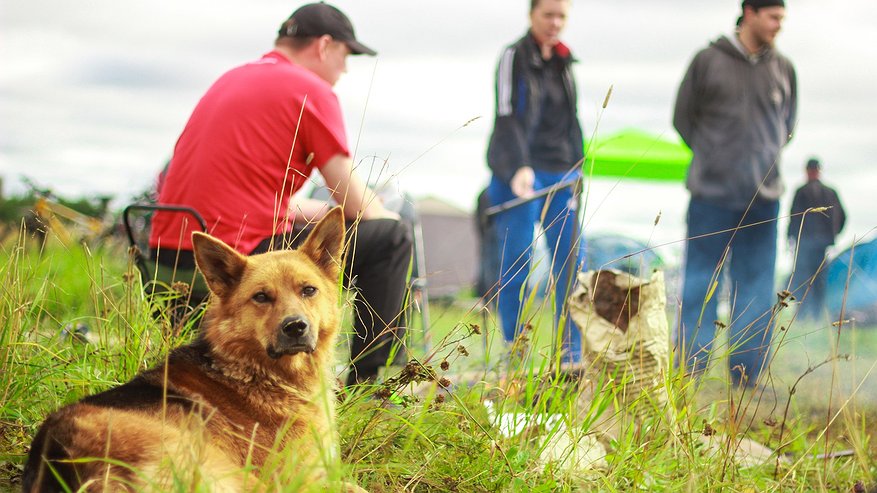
column 251, row 142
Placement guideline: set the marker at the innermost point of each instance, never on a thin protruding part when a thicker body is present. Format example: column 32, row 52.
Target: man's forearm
column 351, row 192
column 307, row 210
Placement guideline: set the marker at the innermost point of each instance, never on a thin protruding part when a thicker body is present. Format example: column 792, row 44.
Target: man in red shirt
column 251, row 143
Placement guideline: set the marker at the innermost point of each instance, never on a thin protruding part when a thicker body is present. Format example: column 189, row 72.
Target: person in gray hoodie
column 736, row 109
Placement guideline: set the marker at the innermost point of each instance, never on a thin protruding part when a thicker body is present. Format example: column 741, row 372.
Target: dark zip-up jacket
column 736, row 113
column 517, row 139
column 819, row 227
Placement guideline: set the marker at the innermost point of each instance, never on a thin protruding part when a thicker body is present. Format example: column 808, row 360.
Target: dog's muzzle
column 294, row 335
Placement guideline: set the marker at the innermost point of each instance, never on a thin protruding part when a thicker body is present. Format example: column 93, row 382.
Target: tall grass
column 462, row 415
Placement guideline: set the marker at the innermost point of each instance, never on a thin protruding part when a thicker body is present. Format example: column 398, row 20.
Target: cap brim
column 357, row 48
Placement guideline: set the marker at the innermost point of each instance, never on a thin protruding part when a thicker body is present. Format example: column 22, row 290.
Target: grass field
column 536, row 432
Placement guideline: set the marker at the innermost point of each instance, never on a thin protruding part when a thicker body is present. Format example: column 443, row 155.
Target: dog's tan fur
column 245, row 393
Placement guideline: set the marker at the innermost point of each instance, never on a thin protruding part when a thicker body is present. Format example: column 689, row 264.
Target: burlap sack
column 625, row 334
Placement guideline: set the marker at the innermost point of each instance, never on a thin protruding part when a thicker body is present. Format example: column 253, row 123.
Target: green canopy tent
column 637, row 154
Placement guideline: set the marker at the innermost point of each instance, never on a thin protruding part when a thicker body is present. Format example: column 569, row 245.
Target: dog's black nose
column 294, row 326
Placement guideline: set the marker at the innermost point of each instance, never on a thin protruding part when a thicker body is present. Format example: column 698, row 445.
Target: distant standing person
column 536, row 141
column 813, row 239
column 736, row 109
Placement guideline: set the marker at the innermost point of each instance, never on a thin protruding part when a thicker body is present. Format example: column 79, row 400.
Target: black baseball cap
column 317, row 19
column 757, row 4
column 813, row 163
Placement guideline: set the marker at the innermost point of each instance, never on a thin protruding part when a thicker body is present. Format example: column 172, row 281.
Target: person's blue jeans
column 514, row 228
column 808, row 281
column 751, row 263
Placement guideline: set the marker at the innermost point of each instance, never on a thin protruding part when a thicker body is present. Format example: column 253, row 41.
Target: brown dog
column 247, row 407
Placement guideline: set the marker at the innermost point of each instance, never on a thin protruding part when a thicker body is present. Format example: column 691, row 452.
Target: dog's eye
column 308, row 291
column 261, row 297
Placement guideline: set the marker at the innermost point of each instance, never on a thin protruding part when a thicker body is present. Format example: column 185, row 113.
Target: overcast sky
column 94, row 94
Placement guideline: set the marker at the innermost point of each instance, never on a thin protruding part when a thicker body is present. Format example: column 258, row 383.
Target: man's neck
column 547, row 51
column 749, row 42
column 286, row 52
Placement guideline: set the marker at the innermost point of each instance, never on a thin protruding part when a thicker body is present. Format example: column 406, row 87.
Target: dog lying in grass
column 248, row 406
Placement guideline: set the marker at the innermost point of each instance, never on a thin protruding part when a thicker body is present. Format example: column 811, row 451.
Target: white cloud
column 93, row 96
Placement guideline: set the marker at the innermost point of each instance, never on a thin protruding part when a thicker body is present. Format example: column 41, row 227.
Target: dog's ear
column 220, row 264
column 325, row 243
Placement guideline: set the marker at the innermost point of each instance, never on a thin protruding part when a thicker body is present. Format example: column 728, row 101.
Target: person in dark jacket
column 536, row 142
column 813, row 232
column 736, row 109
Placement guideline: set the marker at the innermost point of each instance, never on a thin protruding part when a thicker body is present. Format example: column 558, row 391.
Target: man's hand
column 522, row 182
column 387, row 214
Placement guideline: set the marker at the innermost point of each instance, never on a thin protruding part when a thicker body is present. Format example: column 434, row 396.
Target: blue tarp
column 602, row 251
column 610, row 251
column 858, row 266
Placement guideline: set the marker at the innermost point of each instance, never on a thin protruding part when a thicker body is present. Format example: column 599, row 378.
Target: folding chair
column 161, row 281
column 418, row 285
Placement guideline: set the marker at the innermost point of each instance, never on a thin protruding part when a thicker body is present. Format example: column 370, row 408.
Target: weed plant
column 467, row 412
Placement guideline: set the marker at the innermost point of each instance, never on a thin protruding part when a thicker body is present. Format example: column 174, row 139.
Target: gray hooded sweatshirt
column 736, row 112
